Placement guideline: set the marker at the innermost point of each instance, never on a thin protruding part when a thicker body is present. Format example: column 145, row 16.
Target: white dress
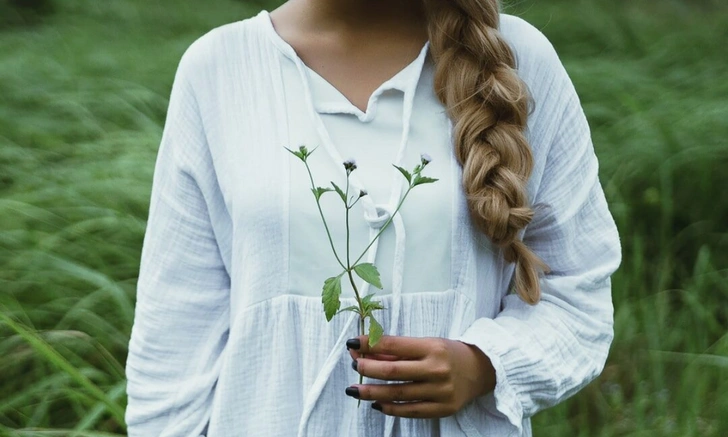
column 229, row 337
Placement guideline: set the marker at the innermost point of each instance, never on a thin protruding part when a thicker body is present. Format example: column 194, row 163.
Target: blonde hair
column 476, row 80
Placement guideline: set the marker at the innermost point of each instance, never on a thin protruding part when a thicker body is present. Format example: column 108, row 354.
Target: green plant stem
column 321, row 213
column 362, row 319
column 385, row 225
column 355, row 202
column 348, row 258
column 351, row 277
column 359, row 301
column 348, row 239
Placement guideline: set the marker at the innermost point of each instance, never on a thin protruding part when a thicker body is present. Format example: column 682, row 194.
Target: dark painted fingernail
column 377, row 406
column 353, row 392
column 353, row 343
column 355, row 365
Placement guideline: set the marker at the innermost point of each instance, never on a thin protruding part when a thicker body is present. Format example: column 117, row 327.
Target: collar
column 329, row 100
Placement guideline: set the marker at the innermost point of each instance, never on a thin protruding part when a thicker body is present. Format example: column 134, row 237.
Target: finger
column 403, row 347
column 415, row 410
column 380, row 357
column 400, row 370
column 410, row 391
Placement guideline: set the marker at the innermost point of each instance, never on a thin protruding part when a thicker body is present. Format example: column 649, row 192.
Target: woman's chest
column 415, row 251
column 287, row 242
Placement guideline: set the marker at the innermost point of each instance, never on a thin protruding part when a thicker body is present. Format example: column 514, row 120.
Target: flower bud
column 426, row 159
column 350, row 165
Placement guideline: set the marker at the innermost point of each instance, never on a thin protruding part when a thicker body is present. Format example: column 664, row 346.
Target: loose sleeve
column 182, row 311
column 547, row 352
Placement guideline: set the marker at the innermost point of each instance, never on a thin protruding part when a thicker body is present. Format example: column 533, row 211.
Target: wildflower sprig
column 331, row 293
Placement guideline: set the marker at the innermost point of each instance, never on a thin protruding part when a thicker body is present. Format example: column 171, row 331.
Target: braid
column 475, row 79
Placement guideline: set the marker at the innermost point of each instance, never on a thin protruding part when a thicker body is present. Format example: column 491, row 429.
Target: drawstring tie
column 376, row 215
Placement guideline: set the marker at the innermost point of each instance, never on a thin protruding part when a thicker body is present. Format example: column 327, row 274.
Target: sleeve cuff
column 497, row 345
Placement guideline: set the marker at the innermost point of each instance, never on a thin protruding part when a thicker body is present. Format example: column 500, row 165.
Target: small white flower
column 426, row 159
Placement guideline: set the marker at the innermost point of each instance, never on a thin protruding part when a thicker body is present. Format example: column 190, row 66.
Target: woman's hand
column 436, row 376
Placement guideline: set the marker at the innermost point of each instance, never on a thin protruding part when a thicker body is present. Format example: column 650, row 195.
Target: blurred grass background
column 84, row 87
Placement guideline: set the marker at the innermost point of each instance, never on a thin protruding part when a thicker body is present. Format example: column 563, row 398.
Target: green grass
column 83, row 95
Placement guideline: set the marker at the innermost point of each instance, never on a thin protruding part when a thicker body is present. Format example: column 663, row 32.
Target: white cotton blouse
column 229, row 336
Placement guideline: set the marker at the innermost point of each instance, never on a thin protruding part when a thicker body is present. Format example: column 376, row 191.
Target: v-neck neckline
column 411, row 84
column 328, row 99
column 400, row 80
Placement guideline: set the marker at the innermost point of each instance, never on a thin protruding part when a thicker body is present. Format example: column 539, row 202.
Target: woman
column 496, row 277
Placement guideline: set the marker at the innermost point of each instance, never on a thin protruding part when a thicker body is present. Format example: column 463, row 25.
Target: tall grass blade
column 50, row 354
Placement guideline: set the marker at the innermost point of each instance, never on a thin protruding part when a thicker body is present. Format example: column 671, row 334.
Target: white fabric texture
column 229, row 336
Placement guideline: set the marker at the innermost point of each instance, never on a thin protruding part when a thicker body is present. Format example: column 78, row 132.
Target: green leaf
column 419, row 180
column 331, row 295
column 340, row 191
column 302, row 152
column 367, row 299
column 306, row 153
column 369, row 273
column 375, row 331
column 319, row 191
column 298, row 154
column 353, row 309
column 369, row 305
column 404, row 172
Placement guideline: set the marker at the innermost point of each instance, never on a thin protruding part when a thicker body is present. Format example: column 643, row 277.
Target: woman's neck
column 359, row 15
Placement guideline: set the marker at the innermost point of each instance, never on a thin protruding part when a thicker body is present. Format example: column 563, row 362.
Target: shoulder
column 522, row 34
column 552, row 92
column 219, row 48
column 537, row 60
column 540, row 67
